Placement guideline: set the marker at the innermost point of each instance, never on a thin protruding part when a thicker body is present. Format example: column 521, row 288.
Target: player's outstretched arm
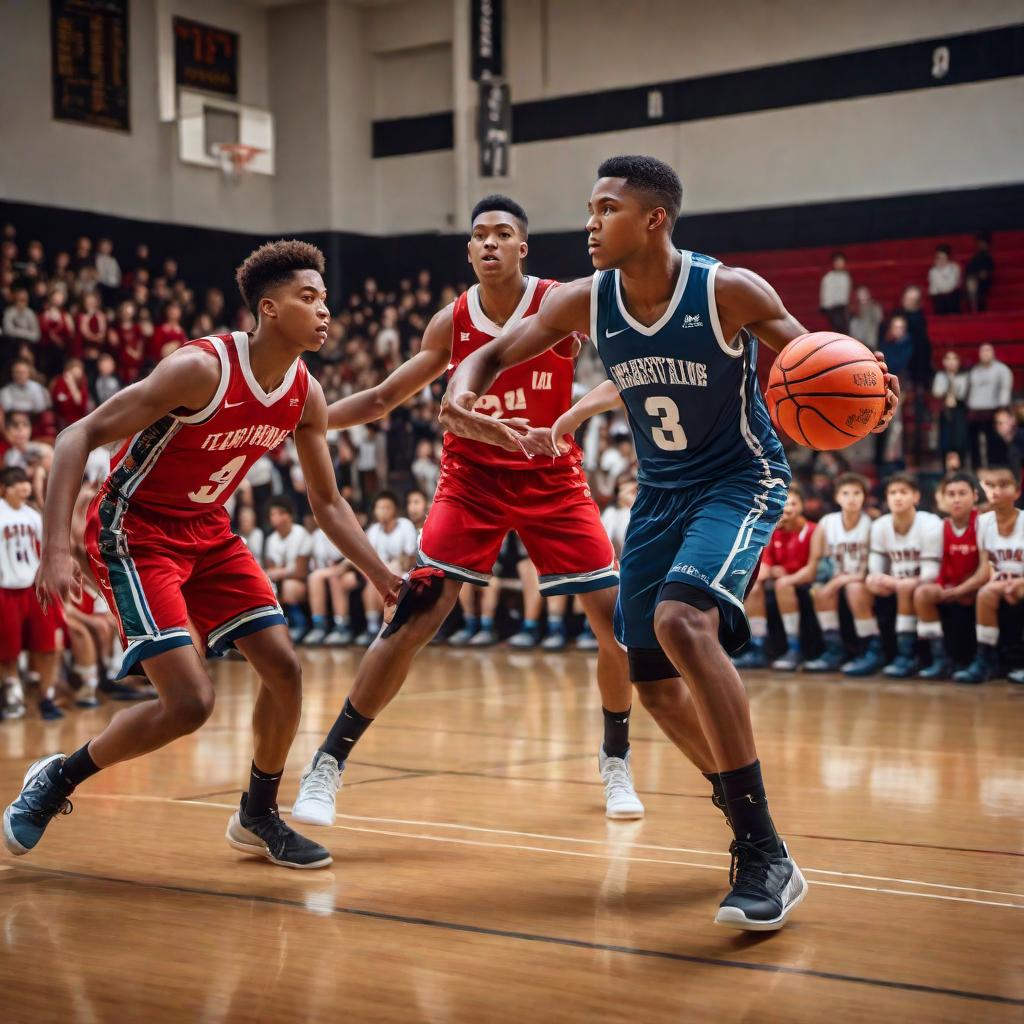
column 332, row 512
column 565, row 309
column 602, row 398
column 402, row 383
column 184, row 382
column 746, row 299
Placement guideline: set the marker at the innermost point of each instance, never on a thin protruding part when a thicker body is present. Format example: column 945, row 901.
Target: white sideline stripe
column 592, row 856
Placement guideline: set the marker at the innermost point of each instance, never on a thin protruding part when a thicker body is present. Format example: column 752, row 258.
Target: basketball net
column 235, row 158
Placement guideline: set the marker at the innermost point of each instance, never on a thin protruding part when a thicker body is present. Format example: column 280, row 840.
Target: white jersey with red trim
column 1005, row 551
column 21, row 533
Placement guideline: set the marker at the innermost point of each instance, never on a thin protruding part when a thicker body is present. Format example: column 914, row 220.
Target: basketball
column 826, row 390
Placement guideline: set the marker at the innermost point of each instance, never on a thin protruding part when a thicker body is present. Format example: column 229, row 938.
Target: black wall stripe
column 422, row 134
column 210, row 256
column 973, row 57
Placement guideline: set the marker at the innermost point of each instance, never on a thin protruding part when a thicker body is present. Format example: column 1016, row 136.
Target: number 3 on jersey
column 668, row 435
column 220, row 480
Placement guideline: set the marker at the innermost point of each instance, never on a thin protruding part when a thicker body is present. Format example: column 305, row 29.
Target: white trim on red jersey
column 242, row 347
column 483, row 323
column 222, row 387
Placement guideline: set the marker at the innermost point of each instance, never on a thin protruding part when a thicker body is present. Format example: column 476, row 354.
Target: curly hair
column 650, row 176
column 273, row 264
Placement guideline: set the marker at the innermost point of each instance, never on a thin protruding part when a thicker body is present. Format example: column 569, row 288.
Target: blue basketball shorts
column 709, row 536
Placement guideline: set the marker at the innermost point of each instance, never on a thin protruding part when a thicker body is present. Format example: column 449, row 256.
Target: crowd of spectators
column 79, row 324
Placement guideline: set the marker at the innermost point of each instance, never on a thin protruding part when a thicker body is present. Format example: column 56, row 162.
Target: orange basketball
column 826, row 390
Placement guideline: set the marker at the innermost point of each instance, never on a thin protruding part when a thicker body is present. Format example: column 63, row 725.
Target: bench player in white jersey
column 841, row 542
column 906, row 551
column 1001, row 548
column 24, row 625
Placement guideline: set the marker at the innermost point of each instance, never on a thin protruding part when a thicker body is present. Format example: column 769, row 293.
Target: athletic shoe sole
column 260, row 849
column 307, row 818
column 624, row 815
column 733, row 917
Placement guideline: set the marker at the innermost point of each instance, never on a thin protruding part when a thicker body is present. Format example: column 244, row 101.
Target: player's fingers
column 42, row 595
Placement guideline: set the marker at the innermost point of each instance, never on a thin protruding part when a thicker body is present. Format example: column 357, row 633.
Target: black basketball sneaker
column 268, row 836
column 766, row 886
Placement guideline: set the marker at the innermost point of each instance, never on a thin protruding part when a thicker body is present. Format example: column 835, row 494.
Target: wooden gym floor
column 477, row 880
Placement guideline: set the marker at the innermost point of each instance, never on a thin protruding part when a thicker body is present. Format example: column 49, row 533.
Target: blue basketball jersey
column 691, row 395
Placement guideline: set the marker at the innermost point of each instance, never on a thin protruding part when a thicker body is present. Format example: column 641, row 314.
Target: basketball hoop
column 235, row 158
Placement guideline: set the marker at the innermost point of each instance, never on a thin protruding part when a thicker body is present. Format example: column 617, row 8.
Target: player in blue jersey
column 678, row 335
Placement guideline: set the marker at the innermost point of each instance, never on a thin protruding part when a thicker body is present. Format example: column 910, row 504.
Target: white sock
column 758, row 627
column 988, row 635
column 13, row 688
column 828, row 620
column 89, row 674
column 927, row 630
column 791, row 623
column 906, row 623
column 866, row 627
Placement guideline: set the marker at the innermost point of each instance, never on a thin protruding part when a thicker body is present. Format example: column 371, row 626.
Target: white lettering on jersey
column 541, row 380
column 634, row 373
column 258, row 435
column 1006, row 553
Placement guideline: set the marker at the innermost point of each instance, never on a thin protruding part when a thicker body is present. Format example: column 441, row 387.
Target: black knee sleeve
column 685, row 594
column 649, row 664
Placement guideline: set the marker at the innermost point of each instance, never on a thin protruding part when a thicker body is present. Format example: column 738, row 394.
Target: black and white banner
column 487, row 37
column 494, row 129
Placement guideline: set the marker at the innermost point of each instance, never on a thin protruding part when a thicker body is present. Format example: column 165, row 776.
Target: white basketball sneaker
column 620, row 797
column 318, row 791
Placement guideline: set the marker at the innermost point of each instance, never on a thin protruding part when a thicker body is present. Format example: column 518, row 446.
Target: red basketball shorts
column 551, row 509
column 24, row 626
column 156, row 572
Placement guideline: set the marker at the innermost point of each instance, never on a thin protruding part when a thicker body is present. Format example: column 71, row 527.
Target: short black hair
column 273, row 264
column 852, row 480
column 1000, row 468
column 385, row 496
column 905, row 479
column 283, row 504
column 13, row 475
column 496, row 201
column 944, row 249
column 651, row 176
column 959, row 477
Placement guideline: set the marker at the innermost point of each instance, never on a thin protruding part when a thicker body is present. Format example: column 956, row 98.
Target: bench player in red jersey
column 160, row 546
column 485, row 490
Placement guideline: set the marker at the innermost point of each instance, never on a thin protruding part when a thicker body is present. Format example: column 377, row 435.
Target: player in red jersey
column 160, row 545
column 958, row 581
column 485, row 490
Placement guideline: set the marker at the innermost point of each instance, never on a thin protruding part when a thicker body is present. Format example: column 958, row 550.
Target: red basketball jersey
column 186, row 465
column 959, row 552
column 790, row 549
column 539, row 390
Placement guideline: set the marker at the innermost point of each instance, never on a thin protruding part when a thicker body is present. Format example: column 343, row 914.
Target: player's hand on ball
column 58, row 578
column 892, row 395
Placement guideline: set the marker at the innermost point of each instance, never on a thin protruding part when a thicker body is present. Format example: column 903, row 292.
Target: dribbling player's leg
column 380, row 676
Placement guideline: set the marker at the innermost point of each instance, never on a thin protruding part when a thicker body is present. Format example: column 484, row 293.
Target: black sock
column 262, row 792
column 747, row 806
column 717, row 792
column 347, row 728
column 78, row 767
column 616, row 732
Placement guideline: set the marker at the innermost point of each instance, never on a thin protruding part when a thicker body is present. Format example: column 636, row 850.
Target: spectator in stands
column 20, row 322
column 980, row 269
column 950, row 386
column 944, row 282
column 616, row 460
column 249, row 530
column 1008, row 443
column 56, row 332
column 839, row 562
column 425, row 467
column 84, row 258
column 331, row 573
column 866, row 319
column 416, row 507
column 917, row 325
column 90, row 331
column 616, row 517
column 286, row 553
column 897, row 347
column 782, row 565
column 21, row 451
column 127, row 342
column 1001, row 564
column 956, row 588
column 24, row 394
column 169, row 335
column 70, row 394
column 834, row 294
column 906, row 551
column 394, row 539
column 108, row 271
column 107, row 383
column 991, row 387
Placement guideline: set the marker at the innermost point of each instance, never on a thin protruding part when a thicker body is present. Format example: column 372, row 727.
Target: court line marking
column 555, row 940
column 520, row 847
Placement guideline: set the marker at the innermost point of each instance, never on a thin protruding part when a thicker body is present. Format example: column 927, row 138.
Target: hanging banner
column 89, row 62
column 494, row 129
column 205, row 57
column 487, row 39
